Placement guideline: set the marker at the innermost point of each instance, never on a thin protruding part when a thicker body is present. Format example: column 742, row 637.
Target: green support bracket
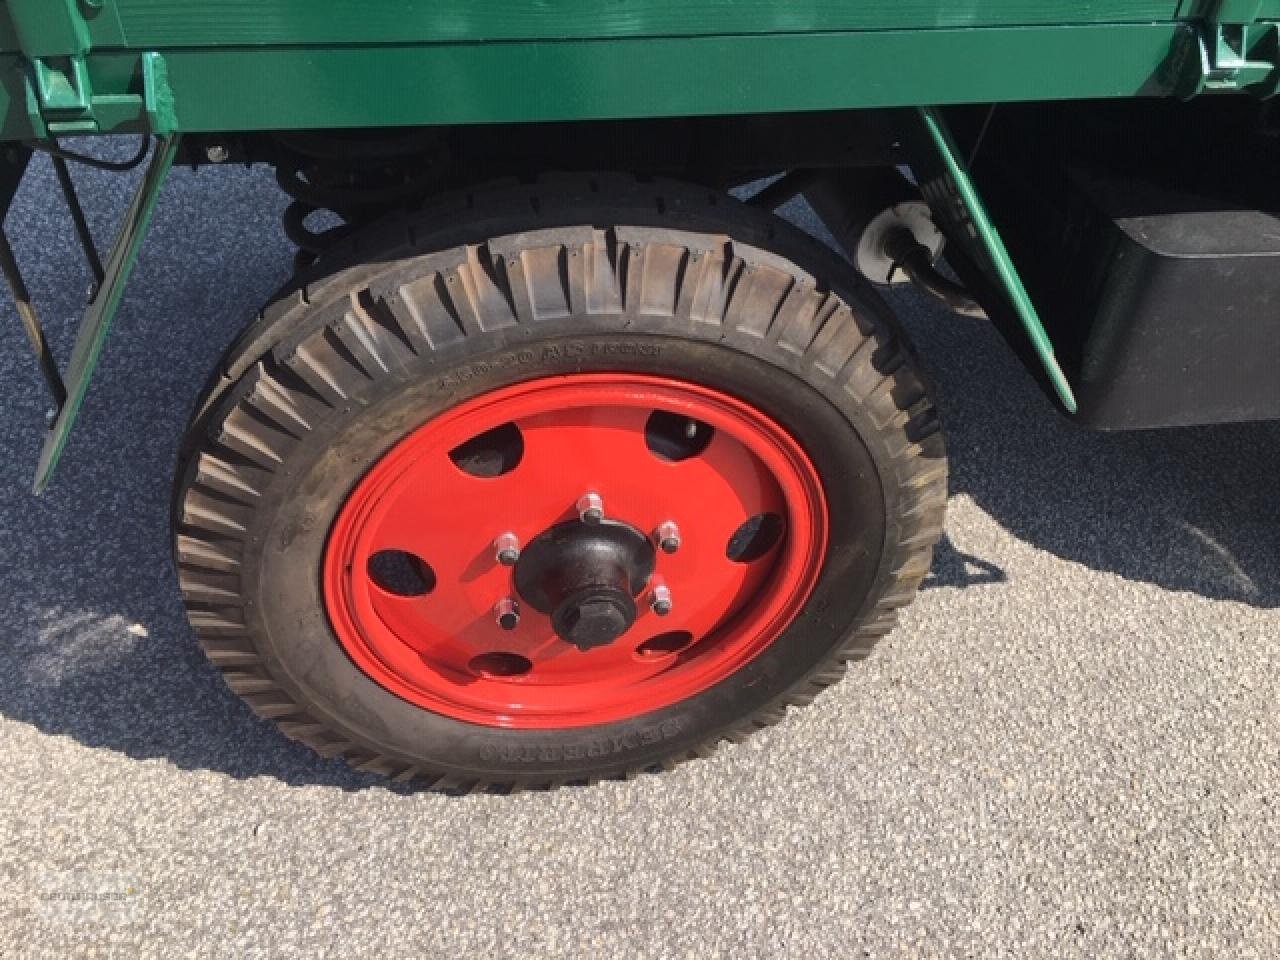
column 1241, row 57
column 103, row 307
column 61, row 101
column 57, row 40
column 62, row 96
column 157, row 97
column 989, row 237
column 1235, row 47
column 64, row 92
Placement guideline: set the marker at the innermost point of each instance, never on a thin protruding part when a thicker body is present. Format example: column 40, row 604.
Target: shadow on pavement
column 955, row 568
column 95, row 643
column 1194, row 510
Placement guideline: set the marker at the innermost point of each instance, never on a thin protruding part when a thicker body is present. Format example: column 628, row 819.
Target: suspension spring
column 341, row 181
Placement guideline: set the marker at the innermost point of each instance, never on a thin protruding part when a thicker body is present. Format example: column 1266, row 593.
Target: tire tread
column 710, row 286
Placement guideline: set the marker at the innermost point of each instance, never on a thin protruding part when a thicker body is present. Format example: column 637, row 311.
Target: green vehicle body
column 84, row 65
column 174, row 68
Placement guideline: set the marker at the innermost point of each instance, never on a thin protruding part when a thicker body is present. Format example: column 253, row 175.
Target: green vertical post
column 990, row 238
column 102, row 309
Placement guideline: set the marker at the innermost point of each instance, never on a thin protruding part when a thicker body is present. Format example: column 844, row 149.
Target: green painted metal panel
column 1231, row 11
column 293, row 88
column 8, row 35
column 170, row 23
column 296, row 87
column 408, row 62
column 50, row 28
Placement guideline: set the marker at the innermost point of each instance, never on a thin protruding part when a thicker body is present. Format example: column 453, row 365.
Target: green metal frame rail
column 101, row 66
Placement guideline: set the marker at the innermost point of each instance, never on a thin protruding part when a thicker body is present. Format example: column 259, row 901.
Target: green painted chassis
column 86, row 66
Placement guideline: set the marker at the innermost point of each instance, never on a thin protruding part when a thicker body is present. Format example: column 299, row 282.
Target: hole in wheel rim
column 665, row 644
column 674, row 437
column 401, row 573
column 755, row 538
column 492, row 454
column 500, row 666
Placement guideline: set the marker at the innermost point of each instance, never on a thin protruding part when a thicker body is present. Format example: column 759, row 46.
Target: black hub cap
column 586, row 578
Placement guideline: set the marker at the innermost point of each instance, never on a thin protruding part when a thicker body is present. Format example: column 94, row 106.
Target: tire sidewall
column 285, row 550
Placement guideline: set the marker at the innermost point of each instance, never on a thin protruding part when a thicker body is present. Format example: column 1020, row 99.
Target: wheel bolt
column 662, row 603
column 591, row 508
column 507, row 549
column 507, row 613
column 668, row 537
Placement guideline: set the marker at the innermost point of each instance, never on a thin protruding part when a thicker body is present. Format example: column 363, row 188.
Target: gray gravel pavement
column 1069, row 749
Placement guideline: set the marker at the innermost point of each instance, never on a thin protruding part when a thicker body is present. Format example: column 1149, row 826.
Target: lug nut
column 591, row 508
column 507, row 549
column 662, row 603
column 507, row 613
column 668, row 537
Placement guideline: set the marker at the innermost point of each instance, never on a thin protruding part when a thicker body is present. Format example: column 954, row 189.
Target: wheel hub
column 586, row 577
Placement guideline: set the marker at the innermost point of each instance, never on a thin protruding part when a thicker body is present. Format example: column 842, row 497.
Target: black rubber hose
column 112, row 166
column 915, row 260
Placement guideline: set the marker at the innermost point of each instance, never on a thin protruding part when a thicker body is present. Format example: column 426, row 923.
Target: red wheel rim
column 436, row 641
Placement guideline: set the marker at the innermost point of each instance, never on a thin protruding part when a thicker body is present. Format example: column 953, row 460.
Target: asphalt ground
column 1069, row 749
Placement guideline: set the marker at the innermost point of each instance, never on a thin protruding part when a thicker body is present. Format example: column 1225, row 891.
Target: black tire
column 335, row 372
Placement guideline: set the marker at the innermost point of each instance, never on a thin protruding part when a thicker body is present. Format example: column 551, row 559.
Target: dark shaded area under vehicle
column 1150, row 242
column 1145, row 231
